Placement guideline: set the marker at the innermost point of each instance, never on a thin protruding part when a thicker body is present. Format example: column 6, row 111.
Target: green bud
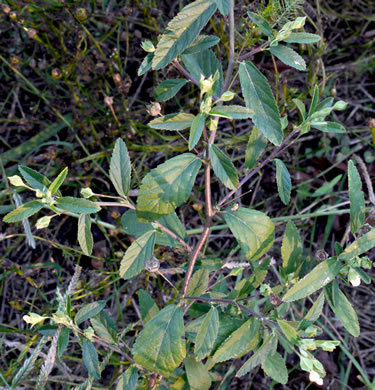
column 148, row 46
column 227, row 96
column 340, row 105
column 87, row 192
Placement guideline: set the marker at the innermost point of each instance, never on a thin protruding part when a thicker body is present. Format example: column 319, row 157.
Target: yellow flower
column 315, row 377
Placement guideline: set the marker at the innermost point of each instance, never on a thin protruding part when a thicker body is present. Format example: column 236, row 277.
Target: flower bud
column 354, row 278
column 16, row 181
column 56, row 73
column 31, row 33
column 81, row 14
column 154, row 109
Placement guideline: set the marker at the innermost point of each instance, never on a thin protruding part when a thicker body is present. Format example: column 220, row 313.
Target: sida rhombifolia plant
column 252, row 322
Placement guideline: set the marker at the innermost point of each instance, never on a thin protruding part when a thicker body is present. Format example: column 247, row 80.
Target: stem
column 252, row 52
column 231, row 48
column 187, row 74
column 278, row 150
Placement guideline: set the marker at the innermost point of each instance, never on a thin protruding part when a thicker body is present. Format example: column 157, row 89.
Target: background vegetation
column 69, row 88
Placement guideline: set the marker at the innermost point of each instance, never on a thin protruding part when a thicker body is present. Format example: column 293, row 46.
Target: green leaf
column 90, row 358
column 134, row 227
column 256, row 278
column 288, row 330
column 140, row 251
column 63, row 340
column 54, row 187
column 25, row 211
column 85, row 238
column 244, row 338
column 223, row 6
column 284, row 182
column 120, row 168
column 359, row 246
column 147, row 306
column 255, row 147
column 301, row 107
column 168, row 89
column 262, row 23
column 302, row 37
column 288, row 56
column 274, row 366
column 207, row 334
column 203, row 42
column 327, row 188
column 160, row 347
column 320, row 276
column 329, row 127
column 258, row 357
column 197, row 374
column 199, row 282
column 357, row 200
column 34, row 178
column 172, row 122
column 254, row 231
column 314, row 106
column 182, row 31
column 291, row 249
column 343, row 309
column 146, row 64
column 196, row 130
column 232, row 112
column 314, row 313
column 167, row 186
column 128, row 380
column 223, row 167
column 288, row 27
column 105, row 328
column 204, row 63
column 259, row 98
column 88, row 311
column 77, row 205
